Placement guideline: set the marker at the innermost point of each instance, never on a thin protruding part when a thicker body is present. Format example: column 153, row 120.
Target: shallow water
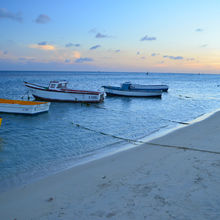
column 35, row 146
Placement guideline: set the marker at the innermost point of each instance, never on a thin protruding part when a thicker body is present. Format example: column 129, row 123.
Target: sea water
column 33, row 147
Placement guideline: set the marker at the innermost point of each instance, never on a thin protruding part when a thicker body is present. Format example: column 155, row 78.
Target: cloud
column 174, row 57
column 190, row 59
column 95, row 47
column 67, row 60
column 3, row 52
column 147, row 38
column 199, row 30
column 82, row 60
column 99, row 35
column 42, row 43
column 204, row 45
column 93, row 30
column 155, row 54
column 76, row 54
column 42, row 19
column 72, row 45
column 42, row 46
column 4, row 13
column 26, row 59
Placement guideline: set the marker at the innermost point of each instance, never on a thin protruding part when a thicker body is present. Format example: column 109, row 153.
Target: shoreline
column 134, row 173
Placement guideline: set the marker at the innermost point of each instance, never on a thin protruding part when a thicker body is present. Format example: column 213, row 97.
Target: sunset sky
column 181, row 36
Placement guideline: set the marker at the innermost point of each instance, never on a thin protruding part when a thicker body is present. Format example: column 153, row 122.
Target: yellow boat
column 23, row 107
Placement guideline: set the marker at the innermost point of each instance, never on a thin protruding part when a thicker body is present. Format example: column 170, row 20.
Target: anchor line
column 149, row 143
column 106, row 134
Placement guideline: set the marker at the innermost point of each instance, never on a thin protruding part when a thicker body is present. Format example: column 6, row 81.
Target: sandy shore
column 176, row 176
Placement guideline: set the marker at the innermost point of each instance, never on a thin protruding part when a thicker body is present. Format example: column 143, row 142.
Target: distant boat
column 23, row 107
column 133, row 90
column 58, row 91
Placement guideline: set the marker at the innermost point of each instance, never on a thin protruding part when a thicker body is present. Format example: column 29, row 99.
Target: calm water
column 34, row 146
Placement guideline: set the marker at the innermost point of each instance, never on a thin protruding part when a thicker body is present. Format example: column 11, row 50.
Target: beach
column 175, row 176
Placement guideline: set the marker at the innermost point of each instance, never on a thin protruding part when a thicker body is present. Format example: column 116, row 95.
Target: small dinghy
column 23, row 107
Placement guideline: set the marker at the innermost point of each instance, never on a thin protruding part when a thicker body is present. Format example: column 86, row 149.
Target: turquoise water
column 35, row 146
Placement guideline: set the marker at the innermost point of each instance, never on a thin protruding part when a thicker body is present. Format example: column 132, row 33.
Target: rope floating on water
column 150, row 143
column 111, row 135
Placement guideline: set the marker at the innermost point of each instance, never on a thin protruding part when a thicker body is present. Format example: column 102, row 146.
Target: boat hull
column 66, row 96
column 27, row 108
column 134, row 93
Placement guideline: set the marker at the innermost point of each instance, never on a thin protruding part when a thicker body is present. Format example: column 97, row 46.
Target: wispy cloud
column 204, row 45
column 174, row 57
column 83, row 60
column 146, row 38
column 93, row 30
column 42, row 46
column 4, row 13
column 3, row 52
column 67, row 60
column 42, row 19
column 199, row 30
column 25, row 59
column 155, row 54
column 99, row 35
column 95, row 47
column 72, row 45
column 42, row 43
column 76, row 54
column 190, row 59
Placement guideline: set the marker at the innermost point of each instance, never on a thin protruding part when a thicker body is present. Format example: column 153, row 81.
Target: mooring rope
column 184, row 148
column 106, row 134
column 150, row 143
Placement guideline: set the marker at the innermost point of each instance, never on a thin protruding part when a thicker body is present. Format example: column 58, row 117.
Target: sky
column 175, row 36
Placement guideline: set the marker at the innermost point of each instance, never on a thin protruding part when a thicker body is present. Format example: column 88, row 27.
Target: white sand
column 156, row 180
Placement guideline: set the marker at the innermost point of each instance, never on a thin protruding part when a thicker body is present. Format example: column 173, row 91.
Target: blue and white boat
column 134, row 90
column 164, row 88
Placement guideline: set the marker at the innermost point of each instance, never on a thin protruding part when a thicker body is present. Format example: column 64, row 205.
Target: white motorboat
column 58, row 91
column 23, row 107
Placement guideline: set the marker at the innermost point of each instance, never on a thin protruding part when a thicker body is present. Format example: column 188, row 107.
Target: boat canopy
column 126, row 86
column 54, row 85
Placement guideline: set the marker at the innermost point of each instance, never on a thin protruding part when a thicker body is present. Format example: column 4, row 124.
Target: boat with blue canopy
column 134, row 90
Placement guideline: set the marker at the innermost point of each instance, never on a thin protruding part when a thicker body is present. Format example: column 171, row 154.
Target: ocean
column 32, row 147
